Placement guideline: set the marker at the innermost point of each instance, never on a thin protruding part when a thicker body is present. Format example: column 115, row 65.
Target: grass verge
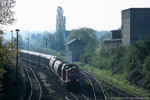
column 117, row 80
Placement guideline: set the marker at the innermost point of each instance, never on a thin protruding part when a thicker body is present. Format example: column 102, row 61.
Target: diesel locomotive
column 66, row 72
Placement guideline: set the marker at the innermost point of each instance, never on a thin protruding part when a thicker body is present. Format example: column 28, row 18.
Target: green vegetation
column 21, row 44
column 131, row 61
column 8, row 73
column 124, row 65
column 53, row 42
column 6, row 12
column 88, row 37
column 51, row 48
column 61, row 54
column 129, row 64
column 118, row 80
column 9, row 87
column 60, row 29
column 103, row 35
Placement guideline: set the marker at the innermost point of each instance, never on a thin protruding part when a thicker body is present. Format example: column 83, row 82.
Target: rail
column 27, row 68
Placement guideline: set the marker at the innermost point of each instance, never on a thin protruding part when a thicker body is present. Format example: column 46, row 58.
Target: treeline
column 10, row 87
column 44, row 43
column 131, row 61
column 103, row 35
column 54, row 41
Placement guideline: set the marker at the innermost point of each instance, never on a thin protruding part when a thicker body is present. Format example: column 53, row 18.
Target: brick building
column 74, row 49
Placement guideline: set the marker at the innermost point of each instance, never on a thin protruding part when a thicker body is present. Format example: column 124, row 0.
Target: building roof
column 136, row 9
column 113, row 41
column 116, row 30
column 73, row 41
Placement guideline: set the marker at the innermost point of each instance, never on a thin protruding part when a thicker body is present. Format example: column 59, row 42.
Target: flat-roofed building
column 115, row 40
column 116, row 34
column 135, row 24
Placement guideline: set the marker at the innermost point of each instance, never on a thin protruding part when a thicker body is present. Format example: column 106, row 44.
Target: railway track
column 79, row 96
column 36, row 91
column 97, row 89
column 116, row 93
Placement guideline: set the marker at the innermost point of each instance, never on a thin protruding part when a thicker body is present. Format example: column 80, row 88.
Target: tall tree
column 6, row 14
column 60, row 29
column 6, row 55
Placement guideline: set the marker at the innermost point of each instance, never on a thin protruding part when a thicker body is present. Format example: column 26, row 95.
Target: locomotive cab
column 72, row 74
column 69, row 73
column 72, row 77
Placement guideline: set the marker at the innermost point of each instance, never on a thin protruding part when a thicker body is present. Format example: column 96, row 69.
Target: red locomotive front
column 70, row 76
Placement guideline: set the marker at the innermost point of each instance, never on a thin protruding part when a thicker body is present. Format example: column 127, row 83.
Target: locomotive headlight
column 77, row 80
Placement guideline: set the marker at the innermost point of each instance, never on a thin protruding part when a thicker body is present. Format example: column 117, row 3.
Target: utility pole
column 46, row 43
column 28, row 42
column 17, row 30
column 0, row 42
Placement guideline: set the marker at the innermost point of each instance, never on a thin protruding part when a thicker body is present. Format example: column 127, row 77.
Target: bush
column 133, row 60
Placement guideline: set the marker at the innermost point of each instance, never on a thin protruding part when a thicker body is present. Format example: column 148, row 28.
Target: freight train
column 66, row 72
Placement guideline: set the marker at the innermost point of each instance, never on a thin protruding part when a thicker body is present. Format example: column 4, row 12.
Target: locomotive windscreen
column 73, row 73
column 74, row 67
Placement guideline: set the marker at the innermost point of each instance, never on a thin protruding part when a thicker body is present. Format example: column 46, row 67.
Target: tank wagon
column 66, row 72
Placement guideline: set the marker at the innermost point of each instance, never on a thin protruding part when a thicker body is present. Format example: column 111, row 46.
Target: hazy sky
column 96, row 14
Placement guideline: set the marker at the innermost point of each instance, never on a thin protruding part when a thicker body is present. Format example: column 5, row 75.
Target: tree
column 60, row 29
column 83, row 34
column 51, row 41
column 6, row 15
column 88, row 37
